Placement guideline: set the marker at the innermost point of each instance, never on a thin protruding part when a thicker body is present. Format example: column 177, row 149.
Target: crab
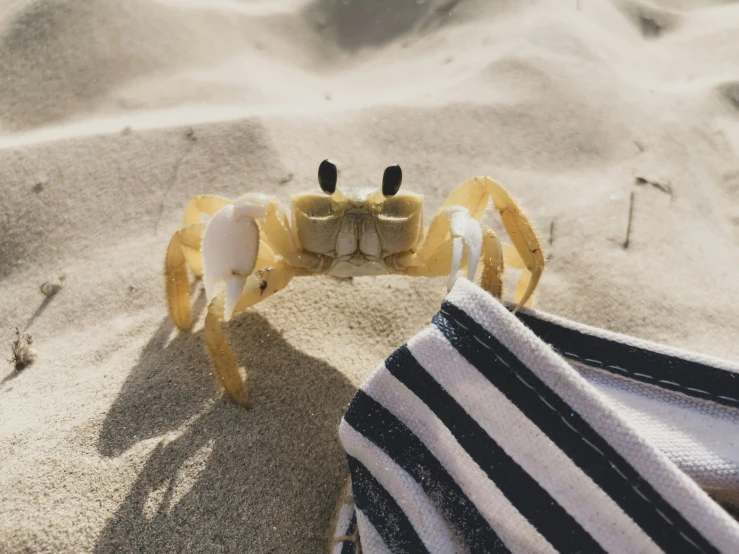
column 248, row 249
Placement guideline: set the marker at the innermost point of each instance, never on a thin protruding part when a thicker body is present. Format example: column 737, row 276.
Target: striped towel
column 489, row 432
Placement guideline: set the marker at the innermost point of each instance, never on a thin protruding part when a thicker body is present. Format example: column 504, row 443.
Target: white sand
column 117, row 438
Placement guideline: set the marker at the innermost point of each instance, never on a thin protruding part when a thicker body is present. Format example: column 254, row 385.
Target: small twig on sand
column 287, row 178
column 551, row 233
column 23, row 354
column 631, row 217
column 664, row 187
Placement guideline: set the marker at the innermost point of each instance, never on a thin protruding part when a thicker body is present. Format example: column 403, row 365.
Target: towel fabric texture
column 494, row 432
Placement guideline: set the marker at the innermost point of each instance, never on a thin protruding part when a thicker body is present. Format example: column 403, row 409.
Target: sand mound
column 356, row 24
column 61, row 58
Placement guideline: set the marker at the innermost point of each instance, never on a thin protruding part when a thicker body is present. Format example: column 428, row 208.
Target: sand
column 113, row 116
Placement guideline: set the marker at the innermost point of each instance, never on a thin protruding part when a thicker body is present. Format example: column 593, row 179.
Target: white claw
column 234, row 286
column 456, row 258
column 466, row 233
column 230, row 248
column 251, row 204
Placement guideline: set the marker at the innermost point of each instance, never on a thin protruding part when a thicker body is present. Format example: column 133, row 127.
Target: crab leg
column 493, row 263
column 203, row 204
column 513, row 259
column 470, row 199
column 475, row 194
column 524, row 239
column 225, row 366
column 196, row 208
column 192, row 237
column 182, row 250
column 199, row 206
column 259, row 286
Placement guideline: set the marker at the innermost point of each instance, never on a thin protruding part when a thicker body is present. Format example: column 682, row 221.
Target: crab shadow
column 223, row 478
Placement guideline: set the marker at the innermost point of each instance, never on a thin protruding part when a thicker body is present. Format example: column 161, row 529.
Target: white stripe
column 369, row 538
column 673, row 485
column 423, row 515
column 512, row 528
column 697, row 436
column 532, row 449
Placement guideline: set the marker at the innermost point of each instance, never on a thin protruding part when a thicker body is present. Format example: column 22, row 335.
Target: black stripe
column 381, row 427
column 668, row 372
column 383, row 512
column 348, row 547
column 567, row 430
column 530, row 499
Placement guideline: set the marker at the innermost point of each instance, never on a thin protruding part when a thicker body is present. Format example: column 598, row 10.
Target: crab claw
column 230, row 248
column 466, row 233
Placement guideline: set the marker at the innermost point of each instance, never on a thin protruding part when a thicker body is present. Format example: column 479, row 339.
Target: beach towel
column 495, row 432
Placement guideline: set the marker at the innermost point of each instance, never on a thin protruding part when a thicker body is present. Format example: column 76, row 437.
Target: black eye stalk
column 391, row 180
column 327, row 176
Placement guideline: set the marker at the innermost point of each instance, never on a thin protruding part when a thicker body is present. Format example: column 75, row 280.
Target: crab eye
column 391, row 180
column 327, row 176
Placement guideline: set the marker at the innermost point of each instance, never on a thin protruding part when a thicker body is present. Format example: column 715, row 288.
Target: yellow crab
column 249, row 249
